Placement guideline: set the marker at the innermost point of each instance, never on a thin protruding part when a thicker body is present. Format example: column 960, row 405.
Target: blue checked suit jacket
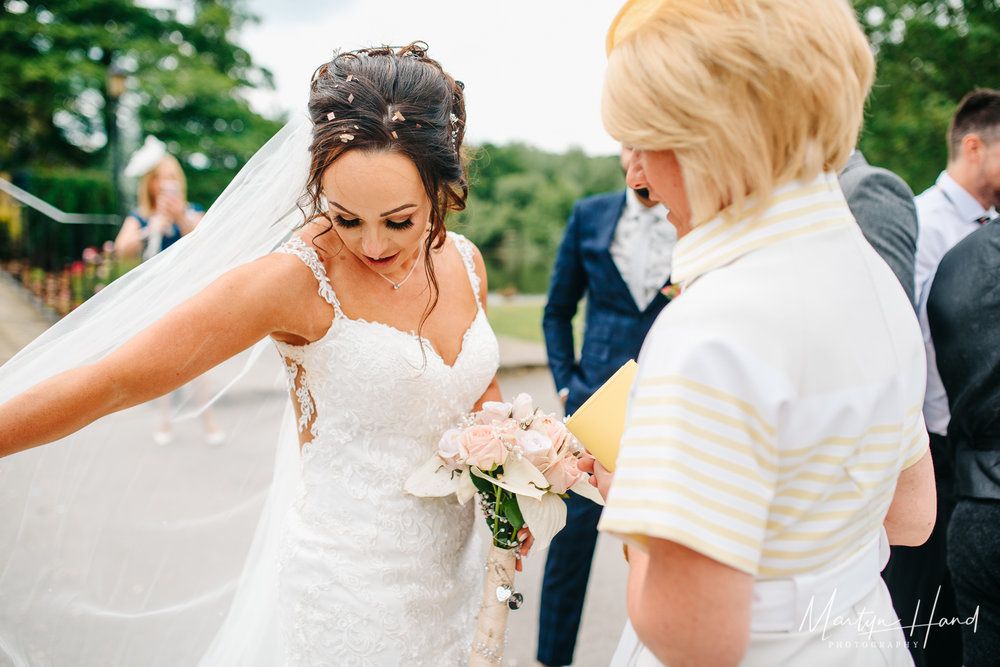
column 614, row 325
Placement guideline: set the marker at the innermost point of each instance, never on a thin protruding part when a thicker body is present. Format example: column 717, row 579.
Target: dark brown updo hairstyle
column 391, row 99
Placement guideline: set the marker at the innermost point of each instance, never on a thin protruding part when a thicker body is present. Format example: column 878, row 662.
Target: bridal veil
column 114, row 551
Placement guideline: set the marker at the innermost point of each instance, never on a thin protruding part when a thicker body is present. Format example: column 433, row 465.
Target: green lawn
column 524, row 321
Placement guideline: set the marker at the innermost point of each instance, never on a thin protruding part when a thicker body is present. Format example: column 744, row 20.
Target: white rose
column 536, row 448
column 492, row 412
column 449, row 449
column 523, row 407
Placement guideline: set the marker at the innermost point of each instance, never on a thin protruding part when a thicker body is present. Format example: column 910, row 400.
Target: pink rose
column 492, row 412
column 482, row 447
column 563, row 474
column 449, row 450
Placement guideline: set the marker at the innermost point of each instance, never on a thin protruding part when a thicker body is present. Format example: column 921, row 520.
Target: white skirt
column 866, row 635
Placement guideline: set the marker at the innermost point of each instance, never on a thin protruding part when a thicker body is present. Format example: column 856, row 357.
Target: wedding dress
column 369, row 575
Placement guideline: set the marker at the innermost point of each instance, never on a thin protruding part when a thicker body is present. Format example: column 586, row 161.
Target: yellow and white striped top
column 778, row 398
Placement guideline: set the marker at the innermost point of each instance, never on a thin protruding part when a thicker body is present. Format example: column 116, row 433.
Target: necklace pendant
column 395, row 286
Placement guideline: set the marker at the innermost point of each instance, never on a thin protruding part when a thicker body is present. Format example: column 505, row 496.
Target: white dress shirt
column 946, row 214
column 642, row 248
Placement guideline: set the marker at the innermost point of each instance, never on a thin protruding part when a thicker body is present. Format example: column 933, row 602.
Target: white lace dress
column 370, row 575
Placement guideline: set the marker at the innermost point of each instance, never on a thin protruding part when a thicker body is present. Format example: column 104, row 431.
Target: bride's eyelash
column 345, row 223
column 354, row 222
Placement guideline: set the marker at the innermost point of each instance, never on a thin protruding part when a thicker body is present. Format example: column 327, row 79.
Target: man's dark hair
column 977, row 113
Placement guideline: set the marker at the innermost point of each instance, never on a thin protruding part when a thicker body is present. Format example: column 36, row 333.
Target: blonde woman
column 774, row 441
column 164, row 215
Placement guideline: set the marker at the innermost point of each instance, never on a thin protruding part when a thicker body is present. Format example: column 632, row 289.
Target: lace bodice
column 370, row 575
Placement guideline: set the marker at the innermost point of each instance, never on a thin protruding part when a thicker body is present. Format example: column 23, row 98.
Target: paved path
column 21, row 321
column 523, row 369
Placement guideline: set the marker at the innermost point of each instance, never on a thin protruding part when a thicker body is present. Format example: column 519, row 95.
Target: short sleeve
column 698, row 463
column 915, row 439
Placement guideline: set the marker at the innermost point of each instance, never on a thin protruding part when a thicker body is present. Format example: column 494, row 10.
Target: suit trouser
column 920, row 582
column 564, row 585
column 973, row 554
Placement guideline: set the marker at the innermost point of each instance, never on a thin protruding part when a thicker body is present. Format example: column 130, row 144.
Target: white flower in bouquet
column 522, row 407
column 536, row 447
column 493, row 412
column 450, row 450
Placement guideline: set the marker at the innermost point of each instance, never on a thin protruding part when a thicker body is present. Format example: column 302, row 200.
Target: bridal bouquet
column 521, row 463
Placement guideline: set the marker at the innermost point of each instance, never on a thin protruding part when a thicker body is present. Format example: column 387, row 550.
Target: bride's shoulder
column 466, row 249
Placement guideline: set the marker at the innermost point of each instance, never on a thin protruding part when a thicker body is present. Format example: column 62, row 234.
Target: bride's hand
column 526, row 539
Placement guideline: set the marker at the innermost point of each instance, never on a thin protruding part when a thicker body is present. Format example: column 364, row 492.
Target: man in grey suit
column 882, row 203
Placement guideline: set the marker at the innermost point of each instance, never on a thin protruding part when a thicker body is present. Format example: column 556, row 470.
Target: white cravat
column 642, row 248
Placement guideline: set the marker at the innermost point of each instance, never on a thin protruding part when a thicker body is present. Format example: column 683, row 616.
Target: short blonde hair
column 144, row 189
column 748, row 94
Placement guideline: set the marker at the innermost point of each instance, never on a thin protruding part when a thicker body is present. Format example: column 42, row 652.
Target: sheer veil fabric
column 114, row 551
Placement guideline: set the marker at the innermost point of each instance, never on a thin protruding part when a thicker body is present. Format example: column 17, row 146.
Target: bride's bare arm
column 234, row 312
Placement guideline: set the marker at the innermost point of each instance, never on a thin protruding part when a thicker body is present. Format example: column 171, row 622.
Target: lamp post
column 116, row 79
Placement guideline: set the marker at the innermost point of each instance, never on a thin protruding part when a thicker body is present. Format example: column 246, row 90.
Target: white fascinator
column 146, row 158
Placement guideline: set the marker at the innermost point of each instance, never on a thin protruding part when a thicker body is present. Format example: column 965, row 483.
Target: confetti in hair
column 350, row 98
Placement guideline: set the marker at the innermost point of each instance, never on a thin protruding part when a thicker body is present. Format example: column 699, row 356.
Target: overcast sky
column 532, row 69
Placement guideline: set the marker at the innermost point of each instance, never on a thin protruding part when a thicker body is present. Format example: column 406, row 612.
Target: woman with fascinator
column 162, row 217
column 332, row 244
column 774, row 444
column 163, row 214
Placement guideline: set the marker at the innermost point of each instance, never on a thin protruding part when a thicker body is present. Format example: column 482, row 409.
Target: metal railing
column 48, row 210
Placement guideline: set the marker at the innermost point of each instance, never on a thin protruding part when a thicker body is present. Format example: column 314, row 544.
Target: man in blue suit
column 616, row 251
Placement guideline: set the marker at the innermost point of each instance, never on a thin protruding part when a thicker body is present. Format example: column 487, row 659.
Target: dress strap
column 467, row 251
column 296, row 246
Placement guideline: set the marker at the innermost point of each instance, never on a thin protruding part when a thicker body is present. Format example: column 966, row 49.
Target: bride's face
column 379, row 209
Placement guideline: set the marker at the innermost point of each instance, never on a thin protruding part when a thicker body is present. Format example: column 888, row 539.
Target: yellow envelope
column 600, row 422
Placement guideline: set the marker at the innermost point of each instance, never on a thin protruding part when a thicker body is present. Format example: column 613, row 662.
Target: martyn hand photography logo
column 871, row 623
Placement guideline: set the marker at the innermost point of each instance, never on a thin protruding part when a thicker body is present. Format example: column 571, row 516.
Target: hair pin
column 419, row 126
column 356, row 127
column 346, row 137
column 398, row 116
column 349, row 77
column 350, row 98
column 394, row 135
column 330, row 116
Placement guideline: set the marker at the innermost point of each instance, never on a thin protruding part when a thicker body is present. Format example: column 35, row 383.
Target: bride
column 378, row 315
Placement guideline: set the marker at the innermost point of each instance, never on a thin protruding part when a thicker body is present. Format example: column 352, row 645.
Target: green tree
column 929, row 55
column 519, row 199
column 185, row 82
